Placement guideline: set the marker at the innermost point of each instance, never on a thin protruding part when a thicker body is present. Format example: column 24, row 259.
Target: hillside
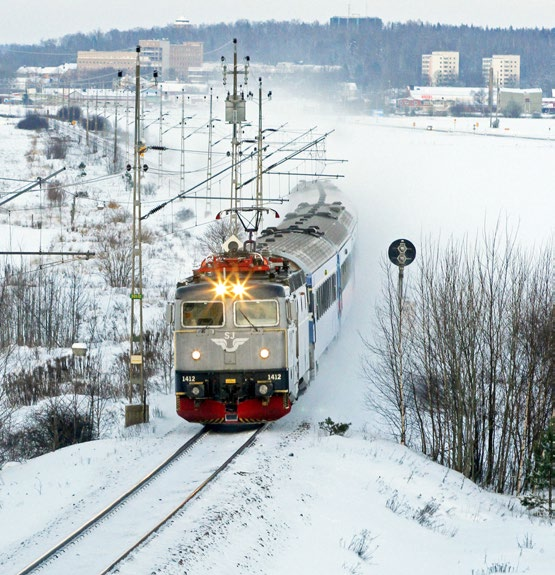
column 377, row 56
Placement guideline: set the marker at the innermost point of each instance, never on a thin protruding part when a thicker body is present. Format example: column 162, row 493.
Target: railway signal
column 401, row 253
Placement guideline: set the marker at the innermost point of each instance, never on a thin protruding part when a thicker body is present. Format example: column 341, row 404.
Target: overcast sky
column 35, row 20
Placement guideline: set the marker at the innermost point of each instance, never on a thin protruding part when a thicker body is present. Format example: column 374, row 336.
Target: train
column 252, row 321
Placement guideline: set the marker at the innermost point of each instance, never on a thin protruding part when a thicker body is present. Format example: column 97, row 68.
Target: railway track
column 109, row 537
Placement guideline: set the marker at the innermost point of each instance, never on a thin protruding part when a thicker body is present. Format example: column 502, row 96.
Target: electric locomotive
column 252, row 321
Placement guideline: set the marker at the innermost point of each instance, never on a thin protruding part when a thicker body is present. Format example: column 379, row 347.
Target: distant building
column 185, row 56
column 440, row 68
column 526, row 101
column 92, row 61
column 170, row 60
column 505, row 68
column 181, row 22
column 43, row 75
column 441, row 99
column 356, row 23
column 548, row 106
column 157, row 52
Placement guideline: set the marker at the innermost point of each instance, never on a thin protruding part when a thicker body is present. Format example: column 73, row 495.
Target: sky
column 36, row 20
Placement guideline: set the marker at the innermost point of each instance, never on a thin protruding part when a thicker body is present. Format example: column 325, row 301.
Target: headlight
column 264, row 353
column 221, row 289
column 195, row 355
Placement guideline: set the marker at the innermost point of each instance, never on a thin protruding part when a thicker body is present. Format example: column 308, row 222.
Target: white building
column 505, row 70
column 440, row 68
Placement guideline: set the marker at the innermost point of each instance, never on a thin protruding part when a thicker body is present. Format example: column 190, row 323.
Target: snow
column 299, row 501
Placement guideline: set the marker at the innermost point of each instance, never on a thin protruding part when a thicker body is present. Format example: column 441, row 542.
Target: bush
column 33, row 122
column 332, row 428
column 95, row 123
column 114, row 256
column 55, row 193
column 512, row 110
column 58, row 424
column 69, row 113
column 56, row 148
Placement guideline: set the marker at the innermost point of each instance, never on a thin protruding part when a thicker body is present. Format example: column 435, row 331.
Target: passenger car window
column 202, row 313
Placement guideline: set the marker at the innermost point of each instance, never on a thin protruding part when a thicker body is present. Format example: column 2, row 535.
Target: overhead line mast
column 235, row 114
column 137, row 413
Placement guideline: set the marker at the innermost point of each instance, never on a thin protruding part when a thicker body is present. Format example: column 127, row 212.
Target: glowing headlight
column 220, row 289
column 238, row 289
column 196, row 354
column 264, row 353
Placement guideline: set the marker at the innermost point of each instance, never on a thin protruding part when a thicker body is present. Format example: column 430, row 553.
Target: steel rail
column 78, row 532
column 191, row 496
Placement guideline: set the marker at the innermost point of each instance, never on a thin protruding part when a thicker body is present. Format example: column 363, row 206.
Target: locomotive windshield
column 202, row 313
column 257, row 313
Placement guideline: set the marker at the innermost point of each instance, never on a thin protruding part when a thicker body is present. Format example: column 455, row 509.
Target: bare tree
column 477, row 390
column 115, row 256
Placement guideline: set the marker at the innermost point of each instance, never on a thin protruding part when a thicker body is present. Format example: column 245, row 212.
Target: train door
column 293, row 348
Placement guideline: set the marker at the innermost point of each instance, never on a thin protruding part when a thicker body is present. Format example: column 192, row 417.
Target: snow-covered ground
column 298, row 501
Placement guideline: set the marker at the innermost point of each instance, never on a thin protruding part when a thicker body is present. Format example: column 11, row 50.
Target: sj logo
column 229, row 342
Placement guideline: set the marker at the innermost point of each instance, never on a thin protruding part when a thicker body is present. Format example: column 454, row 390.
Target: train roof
column 315, row 230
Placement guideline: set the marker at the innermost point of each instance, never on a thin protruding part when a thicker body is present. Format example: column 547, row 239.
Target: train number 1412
column 274, row 376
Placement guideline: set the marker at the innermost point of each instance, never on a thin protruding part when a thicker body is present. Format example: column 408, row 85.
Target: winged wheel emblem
column 235, row 343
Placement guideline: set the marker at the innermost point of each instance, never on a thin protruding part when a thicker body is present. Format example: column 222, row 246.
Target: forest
column 375, row 55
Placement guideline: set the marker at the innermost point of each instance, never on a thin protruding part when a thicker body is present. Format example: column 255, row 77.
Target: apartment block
column 505, row 69
column 171, row 60
column 158, row 53
column 185, row 56
column 440, row 68
column 92, row 61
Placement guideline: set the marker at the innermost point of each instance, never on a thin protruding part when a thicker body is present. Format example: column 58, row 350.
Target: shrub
column 95, row 123
column 69, row 113
column 56, row 148
column 512, row 110
column 55, row 193
column 332, row 428
column 33, row 122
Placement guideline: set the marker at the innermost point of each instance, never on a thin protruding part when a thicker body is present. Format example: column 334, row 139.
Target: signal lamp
column 264, row 353
column 195, row 355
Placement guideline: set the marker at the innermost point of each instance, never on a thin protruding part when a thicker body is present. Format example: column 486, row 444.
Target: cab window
column 256, row 313
column 202, row 313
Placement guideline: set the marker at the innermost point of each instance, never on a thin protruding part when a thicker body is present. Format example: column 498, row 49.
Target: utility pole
column 182, row 164
column 235, row 114
column 160, row 132
column 116, row 136
column 137, row 413
column 208, row 204
column 259, row 150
